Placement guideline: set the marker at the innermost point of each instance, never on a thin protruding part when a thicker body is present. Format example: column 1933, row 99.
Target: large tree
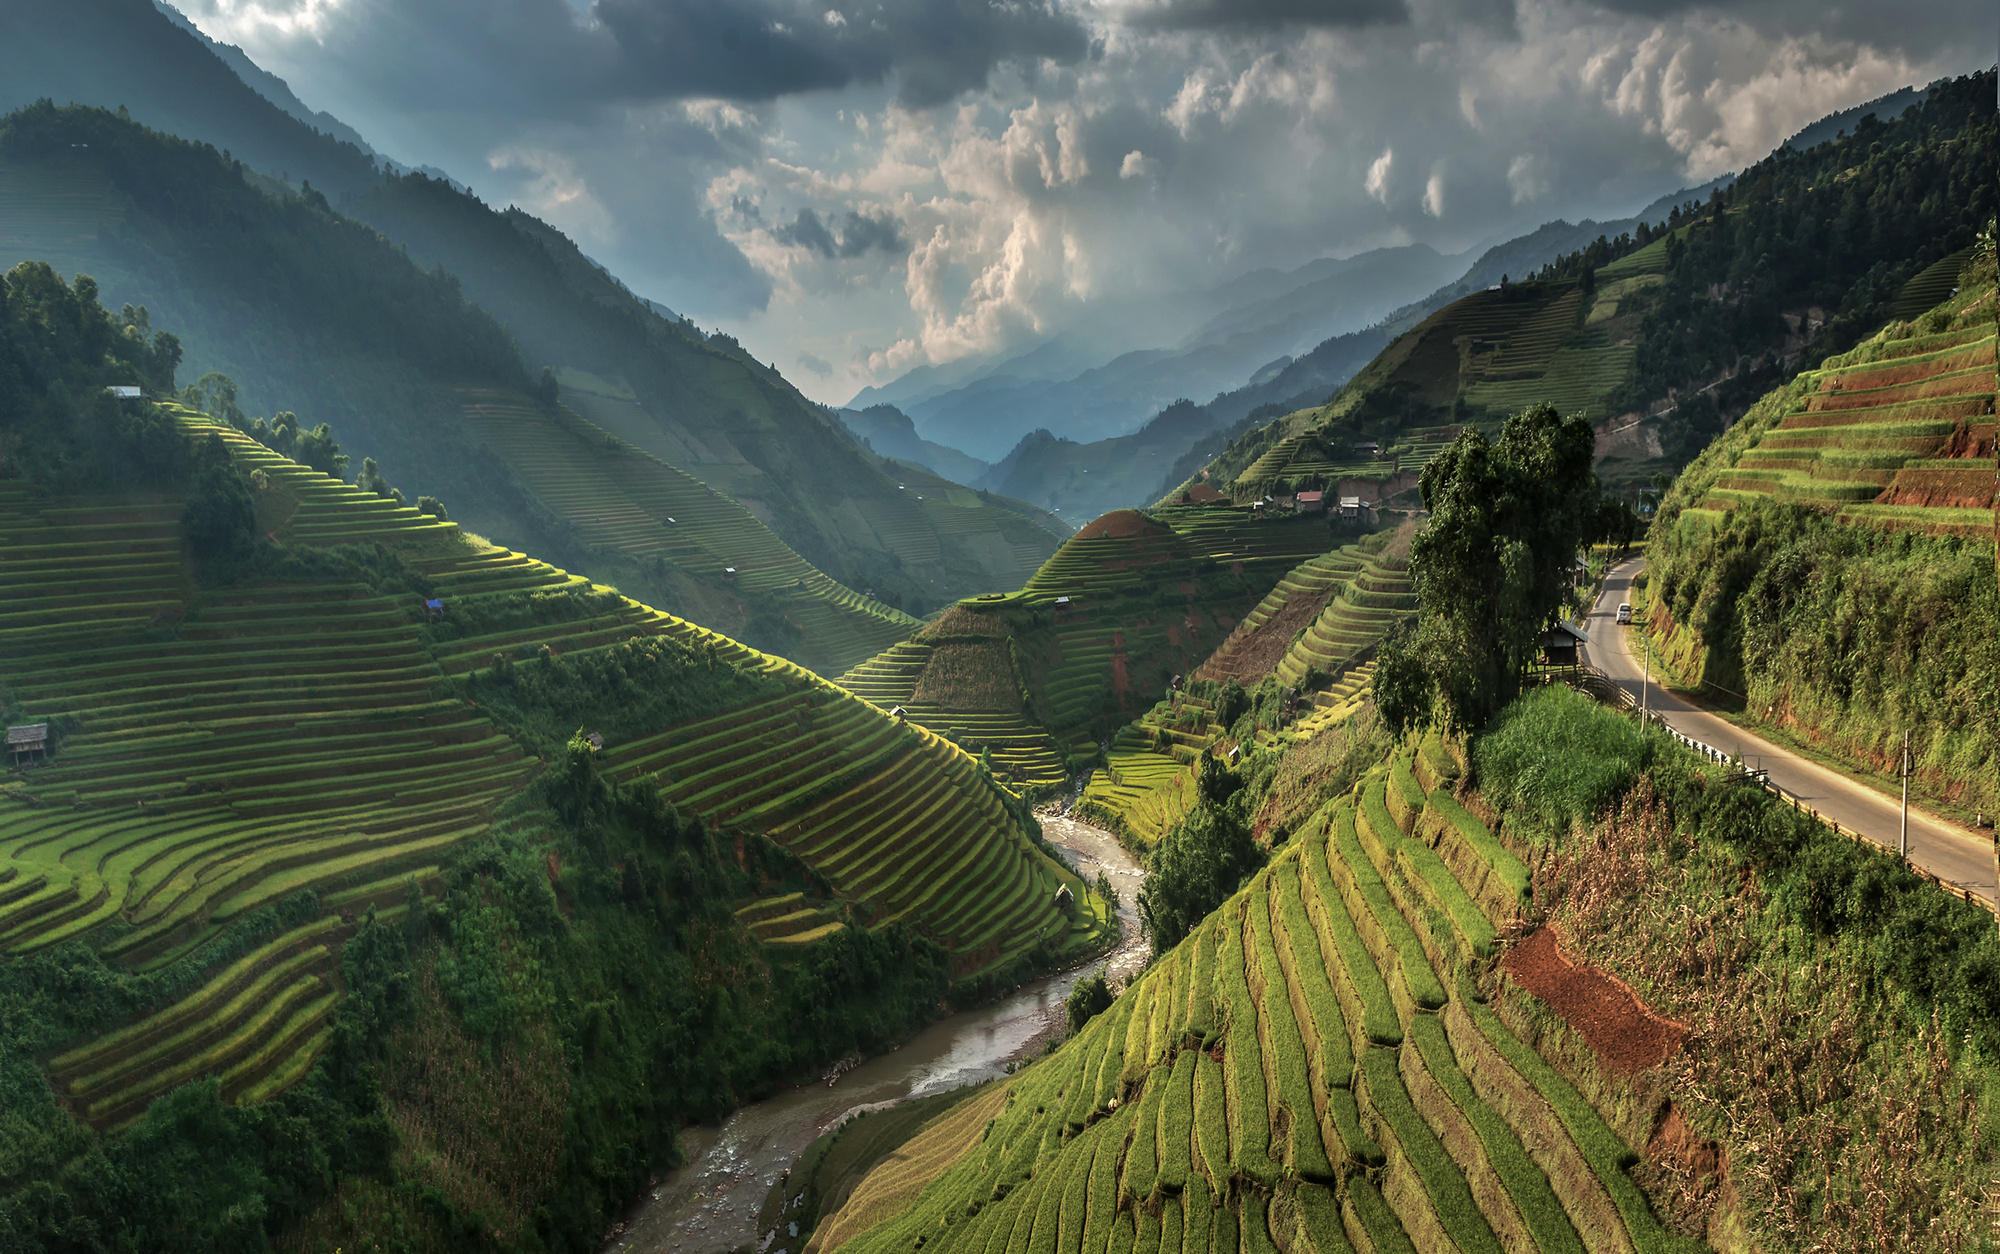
column 1490, row 570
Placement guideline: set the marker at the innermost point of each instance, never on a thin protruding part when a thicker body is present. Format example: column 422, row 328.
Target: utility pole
column 1903, row 769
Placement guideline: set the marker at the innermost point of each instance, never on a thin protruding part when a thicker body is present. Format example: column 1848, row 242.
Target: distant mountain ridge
column 1666, row 331
column 696, row 401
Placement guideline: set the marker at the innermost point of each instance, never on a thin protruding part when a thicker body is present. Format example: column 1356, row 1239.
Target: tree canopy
column 1491, row 569
column 1200, row 860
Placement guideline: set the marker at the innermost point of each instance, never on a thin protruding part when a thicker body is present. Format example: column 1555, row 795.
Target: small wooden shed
column 1561, row 644
column 27, row 740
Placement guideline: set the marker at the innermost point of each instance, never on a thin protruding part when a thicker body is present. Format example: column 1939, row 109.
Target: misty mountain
column 1240, row 327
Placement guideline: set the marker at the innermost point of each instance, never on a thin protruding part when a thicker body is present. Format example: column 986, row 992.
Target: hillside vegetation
column 1127, row 603
column 201, row 241
column 1347, row 1055
column 1298, row 665
column 1827, row 567
column 316, row 872
column 1658, row 337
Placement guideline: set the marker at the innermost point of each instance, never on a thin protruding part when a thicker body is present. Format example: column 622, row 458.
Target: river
column 711, row 1204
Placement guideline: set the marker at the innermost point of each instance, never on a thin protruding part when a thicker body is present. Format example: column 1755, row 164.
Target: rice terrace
column 1052, row 627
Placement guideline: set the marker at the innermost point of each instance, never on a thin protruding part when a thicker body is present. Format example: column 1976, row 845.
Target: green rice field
column 1899, row 433
column 222, row 749
column 1306, row 1071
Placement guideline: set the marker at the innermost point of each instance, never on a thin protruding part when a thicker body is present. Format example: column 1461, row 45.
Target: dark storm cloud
column 539, row 57
column 859, row 234
column 1265, row 14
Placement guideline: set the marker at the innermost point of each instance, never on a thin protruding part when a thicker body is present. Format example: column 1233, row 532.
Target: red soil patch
column 1627, row 1036
column 1675, row 1143
column 1121, row 524
column 1961, row 383
column 1250, row 655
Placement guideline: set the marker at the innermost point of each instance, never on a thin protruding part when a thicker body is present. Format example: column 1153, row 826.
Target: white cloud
column 251, row 22
column 557, row 192
column 1528, row 178
column 1377, row 183
column 1434, row 192
column 1166, row 160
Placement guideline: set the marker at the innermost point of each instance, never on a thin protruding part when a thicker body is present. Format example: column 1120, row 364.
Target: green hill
column 1826, row 567
column 697, row 401
column 436, row 388
column 1345, row 1057
column 1661, row 337
column 1127, row 603
column 700, row 403
column 1303, row 658
column 350, row 822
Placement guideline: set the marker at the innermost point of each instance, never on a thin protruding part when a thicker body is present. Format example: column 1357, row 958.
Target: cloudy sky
column 857, row 187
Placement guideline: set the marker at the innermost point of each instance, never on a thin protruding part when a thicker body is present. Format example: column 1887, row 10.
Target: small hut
column 433, row 609
column 1562, row 645
column 27, row 740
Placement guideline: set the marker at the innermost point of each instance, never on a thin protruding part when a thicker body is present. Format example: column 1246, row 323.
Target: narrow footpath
column 1946, row 850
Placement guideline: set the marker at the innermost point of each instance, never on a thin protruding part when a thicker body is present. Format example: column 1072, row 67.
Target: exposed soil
column 1685, row 1175
column 1258, row 652
column 1121, row 524
column 1626, row 1035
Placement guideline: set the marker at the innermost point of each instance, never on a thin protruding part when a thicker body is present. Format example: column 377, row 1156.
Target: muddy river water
column 711, row 1204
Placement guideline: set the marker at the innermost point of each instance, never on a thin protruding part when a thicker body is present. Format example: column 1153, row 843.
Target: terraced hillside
column 1480, row 358
column 1307, row 1071
column 1898, row 433
column 1126, row 603
column 1311, row 633
column 1649, row 335
column 980, row 717
column 222, row 750
column 622, row 499
column 1852, row 506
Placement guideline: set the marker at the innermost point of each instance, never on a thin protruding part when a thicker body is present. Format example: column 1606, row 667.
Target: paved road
column 1945, row 849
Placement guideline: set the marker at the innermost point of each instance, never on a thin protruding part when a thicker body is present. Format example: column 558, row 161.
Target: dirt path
column 1946, row 850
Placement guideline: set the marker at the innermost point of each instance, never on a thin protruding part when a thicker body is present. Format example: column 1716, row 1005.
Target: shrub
column 1556, row 758
column 220, row 517
column 1196, row 865
column 1090, row 997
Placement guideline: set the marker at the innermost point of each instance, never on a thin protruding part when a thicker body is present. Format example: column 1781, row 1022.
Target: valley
column 493, row 763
